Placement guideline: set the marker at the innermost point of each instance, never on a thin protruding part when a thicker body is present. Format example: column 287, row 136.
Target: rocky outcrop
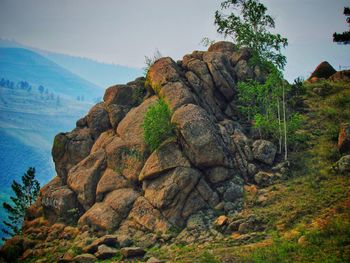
column 323, row 71
column 109, row 179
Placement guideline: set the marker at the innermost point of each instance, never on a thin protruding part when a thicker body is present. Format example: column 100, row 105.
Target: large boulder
column 169, row 192
column 130, row 128
column 199, row 135
column 344, row 138
column 98, row 120
column 222, row 46
column 70, row 148
column 343, row 75
column 264, row 151
column 323, row 70
column 146, row 215
column 57, row 201
column 222, row 72
column 126, row 157
column 108, row 215
column 83, row 177
column 166, row 157
column 111, row 180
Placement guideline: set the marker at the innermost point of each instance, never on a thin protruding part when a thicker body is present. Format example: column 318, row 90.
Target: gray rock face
column 264, row 151
column 199, row 135
column 108, row 214
column 169, row 192
column 105, row 252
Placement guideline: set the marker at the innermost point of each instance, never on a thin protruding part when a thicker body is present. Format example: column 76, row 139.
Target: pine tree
column 343, row 38
column 25, row 195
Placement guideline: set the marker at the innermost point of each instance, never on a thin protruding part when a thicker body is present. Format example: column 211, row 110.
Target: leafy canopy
column 156, row 124
column 25, row 195
column 249, row 26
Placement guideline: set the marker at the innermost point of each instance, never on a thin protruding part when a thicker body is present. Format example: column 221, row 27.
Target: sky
column 124, row 32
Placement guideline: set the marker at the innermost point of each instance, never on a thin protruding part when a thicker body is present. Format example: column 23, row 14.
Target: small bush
column 156, row 125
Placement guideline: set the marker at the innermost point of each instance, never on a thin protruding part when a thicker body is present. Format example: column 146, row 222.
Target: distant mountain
column 18, row 64
column 101, row 74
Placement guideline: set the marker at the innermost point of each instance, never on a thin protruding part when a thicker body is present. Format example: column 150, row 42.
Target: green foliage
column 207, row 257
column 249, row 26
column 25, row 195
column 149, row 61
column 156, row 125
column 206, row 42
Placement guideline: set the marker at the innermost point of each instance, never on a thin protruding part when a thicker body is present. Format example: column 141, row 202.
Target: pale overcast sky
column 124, row 31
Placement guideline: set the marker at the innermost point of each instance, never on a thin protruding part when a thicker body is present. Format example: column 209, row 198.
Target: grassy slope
column 313, row 206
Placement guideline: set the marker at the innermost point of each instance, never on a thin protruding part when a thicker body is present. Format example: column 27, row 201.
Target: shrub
column 156, row 125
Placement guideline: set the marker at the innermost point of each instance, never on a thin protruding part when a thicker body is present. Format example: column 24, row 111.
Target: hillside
column 101, row 74
column 168, row 168
column 17, row 64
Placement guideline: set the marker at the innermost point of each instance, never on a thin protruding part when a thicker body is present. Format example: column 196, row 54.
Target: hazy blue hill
column 19, row 64
column 101, row 74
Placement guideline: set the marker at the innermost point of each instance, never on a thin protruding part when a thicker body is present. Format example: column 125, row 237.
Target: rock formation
column 109, row 182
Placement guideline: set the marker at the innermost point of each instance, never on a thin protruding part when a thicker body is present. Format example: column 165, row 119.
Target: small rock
column 132, row 252
column 263, row 179
column 343, row 165
column 221, row 220
column 85, row 258
column 109, row 240
column 105, row 252
column 302, row 241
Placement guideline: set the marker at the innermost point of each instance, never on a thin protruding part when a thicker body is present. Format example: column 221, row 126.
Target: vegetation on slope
column 307, row 216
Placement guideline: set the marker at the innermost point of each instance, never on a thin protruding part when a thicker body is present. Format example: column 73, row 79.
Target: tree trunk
column 285, row 125
column 279, row 126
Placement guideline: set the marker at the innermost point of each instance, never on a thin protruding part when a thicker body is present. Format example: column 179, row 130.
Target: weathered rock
column 199, row 135
column 264, row 179
column 175, row 94
column 126, row 157
column 222, row 73
column 105, row 252
column 69, row 149
column 343, row 165
column 233, row 192
column 109, row 240
column 83, row 177
column 130, row 128
column 163, row 71
column 323, row 70
column 166, row 157
column 208, row 195
column 343, row 75
column 119, row 94
column 116, row 113
column 344, row 138
column 57, row 200
column 109, row 214
column 219, row 174
column 241, row 54
column 103, row 140
column 110, row 181
column 149, row 217
column 264, row 151
column 98, row 120
column 243, row 71
column 221, row 220
column 202, row 83
column 222, row 46
column 85, row 258
column 168, row 193
column 129, row 252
